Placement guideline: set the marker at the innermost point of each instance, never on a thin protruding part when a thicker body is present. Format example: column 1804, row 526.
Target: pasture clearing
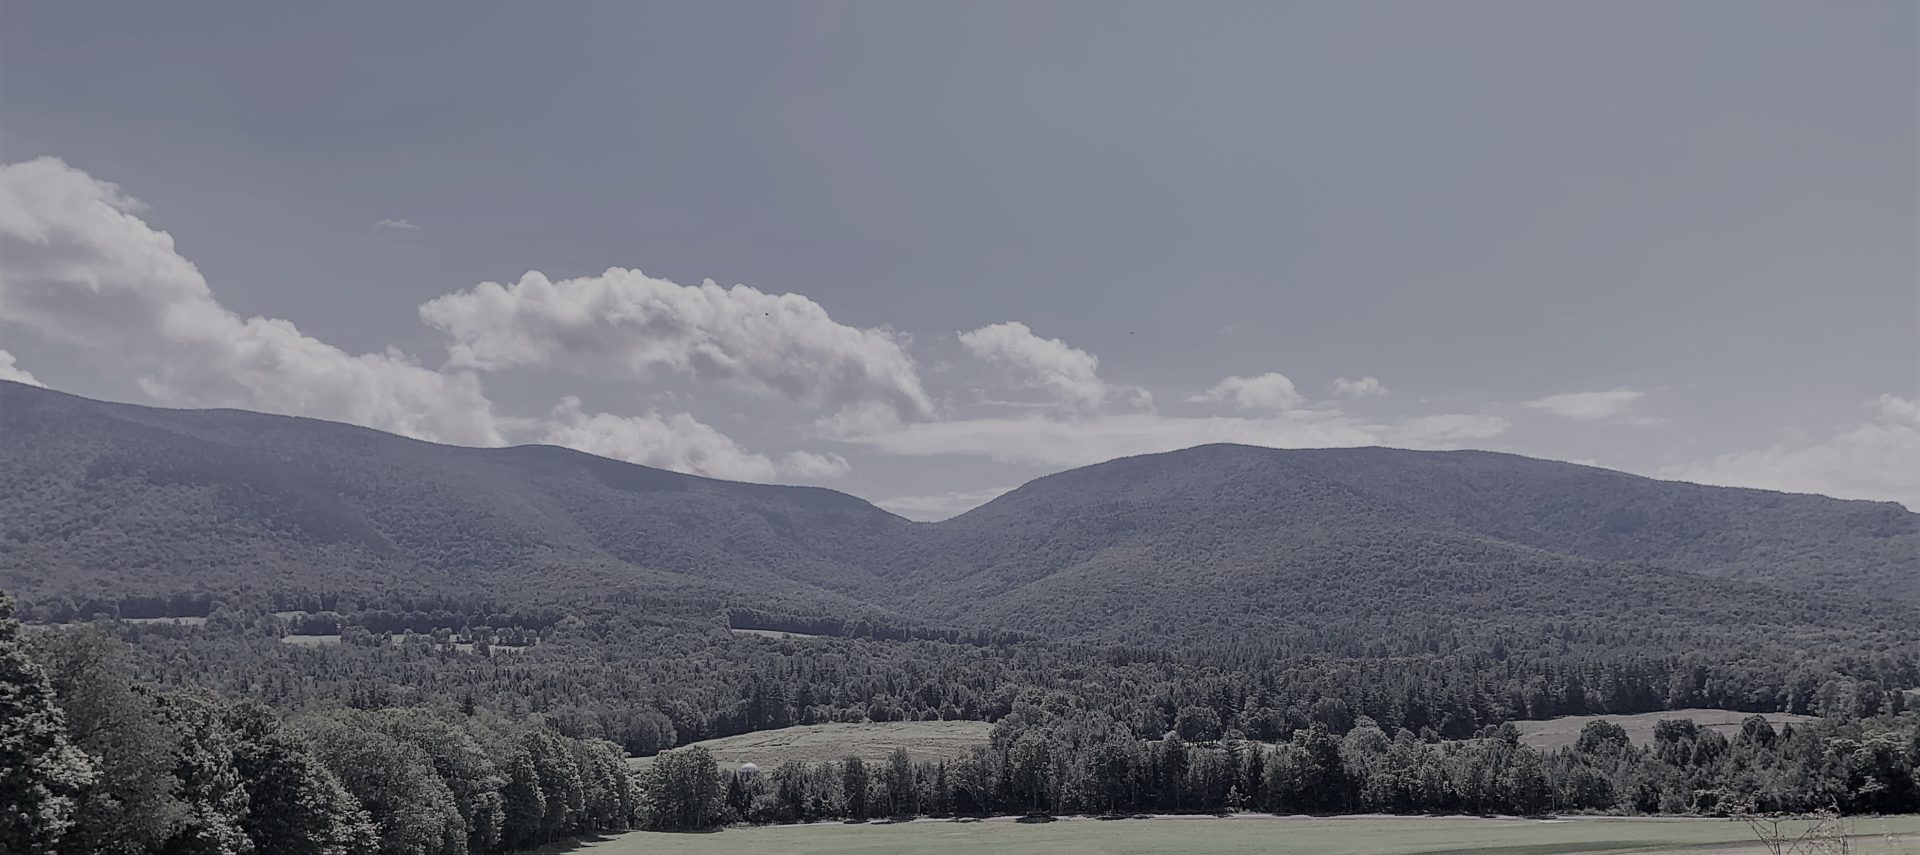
column 817, row 743
column 1553, row 733
column 1249, row 833
column 776, row 633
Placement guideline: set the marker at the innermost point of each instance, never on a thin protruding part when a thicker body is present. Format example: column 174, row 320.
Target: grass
column 775, row 633
column 1553, row 733
column 1246, row 833
column 815, row 743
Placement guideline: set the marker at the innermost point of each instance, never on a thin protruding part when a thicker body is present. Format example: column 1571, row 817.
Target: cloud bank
column 10, row 371
column 78, row 265
column 624, row 323
column 1047, row 441
column 1589, row 406
column 678, row 442
column 1879, row 459
column 941, row 506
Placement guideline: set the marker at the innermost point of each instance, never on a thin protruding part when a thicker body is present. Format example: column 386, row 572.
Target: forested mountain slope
column 107, row 498
column 1378, row 541
column 1345, row 550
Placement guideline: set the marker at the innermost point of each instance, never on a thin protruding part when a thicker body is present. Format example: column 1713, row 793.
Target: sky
column 925, row 253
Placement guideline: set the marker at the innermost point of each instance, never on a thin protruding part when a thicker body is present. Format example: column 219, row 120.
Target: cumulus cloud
column 815, row 466
column 1879, row 460
column 1067, row 374
column 400, row 225
column 1590, row 406
column 1269, row 391
column 1365, row 387
column 678, row 442
column 78, row 265
column 681, row 443
column 625, row 322
column 941, row 505
column 10, row 371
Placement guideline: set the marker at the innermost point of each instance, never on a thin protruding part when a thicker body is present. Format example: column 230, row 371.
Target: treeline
column 92, row 761
column 650, row 680
column 1087, row 763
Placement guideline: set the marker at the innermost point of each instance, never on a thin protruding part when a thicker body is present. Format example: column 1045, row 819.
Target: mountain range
column 1219, row 542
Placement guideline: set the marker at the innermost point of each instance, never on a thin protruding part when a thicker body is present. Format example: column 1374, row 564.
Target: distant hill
column 105, row 498
column 1280, row 541
column 1365, row 550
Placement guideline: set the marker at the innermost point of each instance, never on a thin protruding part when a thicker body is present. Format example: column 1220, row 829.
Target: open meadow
column 1553, row 733
column 820, row 743
column 1251, row 833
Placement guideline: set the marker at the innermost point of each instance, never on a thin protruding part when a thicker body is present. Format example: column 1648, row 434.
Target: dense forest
column 96, row 760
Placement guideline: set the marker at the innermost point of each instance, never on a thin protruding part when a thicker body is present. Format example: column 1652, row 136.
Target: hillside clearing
column 775, row 633
column 1250, row 833
column 1554, row 733
column 818, row 743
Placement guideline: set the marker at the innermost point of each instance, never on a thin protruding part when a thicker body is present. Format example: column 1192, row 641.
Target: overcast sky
column 956, row 247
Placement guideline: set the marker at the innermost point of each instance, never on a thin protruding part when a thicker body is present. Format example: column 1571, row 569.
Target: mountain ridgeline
column 1410, row 549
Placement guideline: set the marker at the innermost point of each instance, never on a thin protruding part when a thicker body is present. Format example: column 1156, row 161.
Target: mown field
column 1251, row 834
column 1554, row 733
column 932, row 740
column 774, row 633
column 818, row 743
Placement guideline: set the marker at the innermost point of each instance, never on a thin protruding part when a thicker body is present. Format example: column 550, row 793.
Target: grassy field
column 928, row 740
column 1553, row 733
column 925, row 740
column 1249, row 834
column 774, row 633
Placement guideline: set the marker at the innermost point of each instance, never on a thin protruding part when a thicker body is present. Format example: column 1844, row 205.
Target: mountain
column 1277, row 541
column 113, row 498
column 1366, row 549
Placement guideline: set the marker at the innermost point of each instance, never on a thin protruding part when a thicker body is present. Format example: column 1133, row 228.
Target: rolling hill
column 112, row 498
column 1275, row 541
column 1294, row 547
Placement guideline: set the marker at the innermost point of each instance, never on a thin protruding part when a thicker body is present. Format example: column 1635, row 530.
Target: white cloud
column 1068, row 374
column 1447, row 430
column 10, row 371
column 1590, row 406
column 400, row 225
column 681, row 443
column 1365, row 387
column 815, row 465
column 1049, row 441
column 1269, row 391
column 77, row 265
column 678, row 442
column 624, row 321
column 1877, row 460
column 940, row 506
